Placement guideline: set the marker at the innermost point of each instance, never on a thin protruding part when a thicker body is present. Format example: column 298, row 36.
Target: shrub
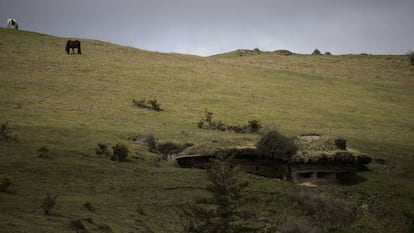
column 77, row 226
column 154, row 105
column 150, row 104
column 237, row 128
column 43, row 152
column 340, row 144
column 254, row 126
column 274, row 145
column 207, row 122
column 6, row 133
column 5, row 183
column 119, row 152
column 102, row 149
column 151, row 143
column 326, row 209
column 328, row 53
column 411, row 57
column 48, row 203
column 139, row 103
column 316, row 52
column 200, row 124
column 88, row 206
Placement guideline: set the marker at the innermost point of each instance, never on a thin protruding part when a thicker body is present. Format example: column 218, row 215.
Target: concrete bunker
column 319, row 160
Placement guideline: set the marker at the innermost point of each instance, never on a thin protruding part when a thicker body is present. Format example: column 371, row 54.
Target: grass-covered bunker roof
column 322, row 148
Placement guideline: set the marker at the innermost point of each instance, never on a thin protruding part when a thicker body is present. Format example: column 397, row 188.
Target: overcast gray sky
column 206, row 27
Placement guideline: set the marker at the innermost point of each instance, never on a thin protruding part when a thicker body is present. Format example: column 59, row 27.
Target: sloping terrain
column 70, row 103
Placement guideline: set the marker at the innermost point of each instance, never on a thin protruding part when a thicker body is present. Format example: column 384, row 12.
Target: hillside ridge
column 71, row 104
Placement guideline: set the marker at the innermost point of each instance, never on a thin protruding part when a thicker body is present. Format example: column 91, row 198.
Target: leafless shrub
column 43, row 152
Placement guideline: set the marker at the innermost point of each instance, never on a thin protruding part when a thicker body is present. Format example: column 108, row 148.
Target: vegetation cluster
column 6, row 133
column 119, row 151
column 151, row 104
column 252, row 126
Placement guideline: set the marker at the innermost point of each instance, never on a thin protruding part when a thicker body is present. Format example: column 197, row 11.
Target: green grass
column 73, row 102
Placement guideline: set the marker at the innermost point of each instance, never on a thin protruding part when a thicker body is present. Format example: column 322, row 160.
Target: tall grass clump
column 103, row 149
column 48, row 203
column 43, row 152
column 6, row 133
column 119, row 152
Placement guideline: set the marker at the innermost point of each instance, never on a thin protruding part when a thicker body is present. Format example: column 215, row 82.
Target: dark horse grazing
column 73, row 44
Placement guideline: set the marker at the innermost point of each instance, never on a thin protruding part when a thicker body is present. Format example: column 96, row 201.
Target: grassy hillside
column 70, row 103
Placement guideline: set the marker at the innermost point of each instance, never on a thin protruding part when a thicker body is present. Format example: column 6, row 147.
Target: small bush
column 88, row 206
column 43, row 152
column 119, row 152
column 274, row 145
column 316, row 52
column 200, row 124
column 77, row 226
column 151, row 143
column 411, row 57
column 340, row 144
column 140, row 103
column 252, row 126
column 328, row 53
column 326, row 210
column 5, row 183
column 102, row 149
column 6, row 133
column 48, row 203
column 152, row 104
